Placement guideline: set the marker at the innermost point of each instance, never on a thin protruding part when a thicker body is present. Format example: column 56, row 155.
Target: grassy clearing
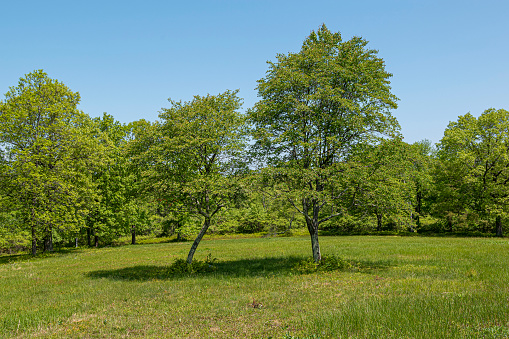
column 398, row 287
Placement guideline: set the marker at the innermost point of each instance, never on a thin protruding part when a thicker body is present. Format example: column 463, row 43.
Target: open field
column 400, row 287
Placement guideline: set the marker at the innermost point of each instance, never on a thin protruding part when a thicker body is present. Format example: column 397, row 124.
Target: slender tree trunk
column 32, row 224
column 315, row 245
column 88, row 237
column 34, row 241
column 133, row 235
column 46, row 244
column 418, row 208
column 498, row 225
column 378, row 222
column 312, row 224
column 291, row 221
column 76, row 242
column 449, row 223
column 96, row 238
column 48, row 240
column 196, row 242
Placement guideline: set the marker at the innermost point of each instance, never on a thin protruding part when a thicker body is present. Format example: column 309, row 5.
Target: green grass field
column 399, row 287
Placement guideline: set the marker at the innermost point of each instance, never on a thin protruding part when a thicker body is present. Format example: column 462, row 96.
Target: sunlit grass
column 398, row 287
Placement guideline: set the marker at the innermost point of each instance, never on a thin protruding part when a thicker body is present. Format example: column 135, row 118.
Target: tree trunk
column 312, row 224
column 76, row 242
column 291, row 221
column 133, row 235
column 315, row 246
column 88, row 237
column 378, row 222
column 48, row 240
column 34, row 241
column 196, row 242
column 449, row 223
column 498, row 225
column 32, row 224
column 418, row 208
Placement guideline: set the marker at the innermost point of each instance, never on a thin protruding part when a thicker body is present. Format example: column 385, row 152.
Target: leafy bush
column 13, row 237
column 180, row 266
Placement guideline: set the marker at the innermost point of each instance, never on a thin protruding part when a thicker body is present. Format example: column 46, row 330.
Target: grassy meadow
column 398, row 287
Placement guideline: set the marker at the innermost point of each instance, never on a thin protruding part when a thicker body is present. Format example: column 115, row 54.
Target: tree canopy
column 473, row 172
column 320, row 151
column 45, row 151
column 194, row 155
column 316, row 107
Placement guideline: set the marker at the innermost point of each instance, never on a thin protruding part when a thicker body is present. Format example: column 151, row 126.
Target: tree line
column 319, row 150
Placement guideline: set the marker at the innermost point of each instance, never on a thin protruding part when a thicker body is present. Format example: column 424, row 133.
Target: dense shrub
column 180, row 266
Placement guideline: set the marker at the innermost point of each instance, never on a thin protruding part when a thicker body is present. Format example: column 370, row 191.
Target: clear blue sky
column 128, row 57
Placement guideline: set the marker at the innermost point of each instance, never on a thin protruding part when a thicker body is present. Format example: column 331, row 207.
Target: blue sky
column 128, row 57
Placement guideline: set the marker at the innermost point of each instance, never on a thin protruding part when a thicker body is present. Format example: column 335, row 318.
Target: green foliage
column 118, row 207
column 258, row 213
column 13, row 236
column 382, row 181
column 423, row 158
column 473, row 173
column 327, row 264
column 316, row 107
column 181, row 266
column 46, row 151
column 193, row 156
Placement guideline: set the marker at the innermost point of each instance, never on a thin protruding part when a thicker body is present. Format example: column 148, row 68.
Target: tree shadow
column 11, row 258
column 259, row 267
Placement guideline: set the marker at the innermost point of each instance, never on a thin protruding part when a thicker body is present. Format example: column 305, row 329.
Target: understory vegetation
column 367, row 287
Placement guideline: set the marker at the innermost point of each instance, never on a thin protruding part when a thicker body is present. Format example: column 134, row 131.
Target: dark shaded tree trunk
column 290, row 223
column 48, row 240
column 32, row 223
column 133, row 235
column 89, row 243
column 378, row 222
column 34, row 241
column 498, row 226
column 96, row 238
column 312, row 224
column 449, row 223
column 418, row 208
column 196, row 242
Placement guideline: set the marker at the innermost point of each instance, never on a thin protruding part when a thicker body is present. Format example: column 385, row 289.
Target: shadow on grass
column 10, row 258
column 271, row 266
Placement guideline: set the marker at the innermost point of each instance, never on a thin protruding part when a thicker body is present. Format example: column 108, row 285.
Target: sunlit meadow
column 397, row 287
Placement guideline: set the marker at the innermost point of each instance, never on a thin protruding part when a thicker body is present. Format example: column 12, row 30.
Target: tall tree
column 423, row 158
column 193, row 156
column 44, row 149
column 382, row 178
column 473, row 171
column 111, row 179
column 317, row 106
